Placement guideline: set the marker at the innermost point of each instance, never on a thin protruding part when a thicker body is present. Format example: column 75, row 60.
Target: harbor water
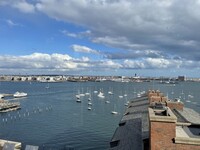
column 51, row 118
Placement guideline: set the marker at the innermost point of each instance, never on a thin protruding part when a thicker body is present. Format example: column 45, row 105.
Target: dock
column 6, row 106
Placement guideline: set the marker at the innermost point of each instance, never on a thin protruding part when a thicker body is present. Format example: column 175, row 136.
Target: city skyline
column 100, row 37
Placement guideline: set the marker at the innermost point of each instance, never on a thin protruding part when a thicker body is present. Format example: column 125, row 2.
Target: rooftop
column 190, row 115
column 133, row 128
column 188, row 135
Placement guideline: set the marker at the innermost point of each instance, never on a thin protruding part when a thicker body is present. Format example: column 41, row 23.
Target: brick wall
column 162, row 135
column 175, row 105
column 156, row 96
column 154, row 99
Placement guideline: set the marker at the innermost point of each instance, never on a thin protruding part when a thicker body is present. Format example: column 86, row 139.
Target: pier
column 6, row 106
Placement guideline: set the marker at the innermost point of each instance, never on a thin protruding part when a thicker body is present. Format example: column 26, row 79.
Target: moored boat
column 20, row 94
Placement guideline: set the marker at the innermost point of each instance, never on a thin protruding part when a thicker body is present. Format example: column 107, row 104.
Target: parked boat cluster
column 80, row 97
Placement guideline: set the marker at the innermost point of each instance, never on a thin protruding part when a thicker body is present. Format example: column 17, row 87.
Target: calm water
column 52, row 119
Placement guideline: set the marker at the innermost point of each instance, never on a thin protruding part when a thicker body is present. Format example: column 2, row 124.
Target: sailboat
column 78, row 95
column 89, row 99
column 114, row 112
column 189, row 98
column 101, row 95
column 82, row 94
column 127, row 102
column 95, row 91
column 110, row 92
column 89, row 103
column 78, row 101
column 125, row 95
column 89, row 108
column 120, row 96
column 107, row 102
column 87, row 93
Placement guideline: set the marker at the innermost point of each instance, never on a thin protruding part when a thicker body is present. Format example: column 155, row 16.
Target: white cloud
column 155, row 63
column 83, row 49
column 109, row 64
column 117, row 42
column 41, row 63
column 83, row 34
column 11, row 23
column 168, row 25
column 21, row 5
column 131, row 64
column 24, row 6
column 67, row 33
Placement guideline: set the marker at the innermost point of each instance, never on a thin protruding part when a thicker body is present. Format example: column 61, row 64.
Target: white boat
column 107, row 102
column 190, row 96
column 90, row 103
column 114, row 112
column 78, row 101
column 127, row 102
column 89, row 108
column 95, row 91
column 20, row 94
column 110, row 92
column 78, row 96
column 139, row 95
column 82, row 94
column 101, row 95
column 120, row 96
column 87, row 93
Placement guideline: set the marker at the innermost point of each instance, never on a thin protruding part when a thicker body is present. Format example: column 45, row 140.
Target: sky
column 149, row 38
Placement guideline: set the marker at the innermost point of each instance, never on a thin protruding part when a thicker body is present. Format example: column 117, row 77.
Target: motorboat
column 101, row 95
column 20, row 94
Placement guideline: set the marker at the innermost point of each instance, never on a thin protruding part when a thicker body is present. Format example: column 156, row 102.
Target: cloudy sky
column 100, row 37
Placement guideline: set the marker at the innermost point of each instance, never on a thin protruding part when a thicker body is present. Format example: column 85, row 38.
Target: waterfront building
column 153, row 122
column 181, row 78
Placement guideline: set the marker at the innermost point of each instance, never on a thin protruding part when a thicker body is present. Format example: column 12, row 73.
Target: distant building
column 181, row 78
